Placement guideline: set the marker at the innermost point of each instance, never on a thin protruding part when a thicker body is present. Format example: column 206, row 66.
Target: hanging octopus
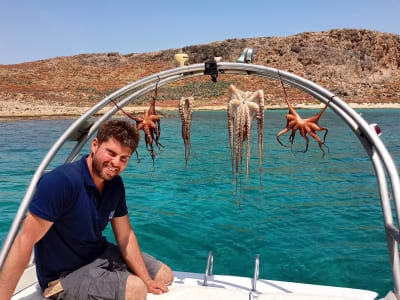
column 150, row 124
column 306, row 126
column 243, row 107
column 186, row 111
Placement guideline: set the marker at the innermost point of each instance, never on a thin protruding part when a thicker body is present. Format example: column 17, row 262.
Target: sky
column 40, row 29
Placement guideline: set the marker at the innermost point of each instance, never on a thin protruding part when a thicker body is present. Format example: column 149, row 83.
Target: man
column 71, row 207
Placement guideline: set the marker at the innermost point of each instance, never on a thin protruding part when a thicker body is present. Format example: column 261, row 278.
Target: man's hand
column 156, row 287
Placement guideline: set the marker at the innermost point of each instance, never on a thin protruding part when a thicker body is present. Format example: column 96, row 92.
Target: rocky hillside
column 357, row 65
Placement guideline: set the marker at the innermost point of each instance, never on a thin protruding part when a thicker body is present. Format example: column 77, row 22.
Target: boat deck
column 190, row 286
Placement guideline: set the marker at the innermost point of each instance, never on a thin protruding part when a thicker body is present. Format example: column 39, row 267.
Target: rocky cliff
column 357, row 65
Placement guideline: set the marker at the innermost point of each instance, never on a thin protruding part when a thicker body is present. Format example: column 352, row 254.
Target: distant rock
column 358, row 65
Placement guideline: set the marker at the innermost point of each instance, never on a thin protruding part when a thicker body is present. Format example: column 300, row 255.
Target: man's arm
column 132, row 255
column 33, row 229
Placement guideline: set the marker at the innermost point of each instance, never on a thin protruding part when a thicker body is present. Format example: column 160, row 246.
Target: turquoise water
column 319, row 220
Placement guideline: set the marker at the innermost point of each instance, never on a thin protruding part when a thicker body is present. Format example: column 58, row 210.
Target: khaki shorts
column 104, row 278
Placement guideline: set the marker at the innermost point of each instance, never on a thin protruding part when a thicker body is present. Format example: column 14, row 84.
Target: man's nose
column 116, row 161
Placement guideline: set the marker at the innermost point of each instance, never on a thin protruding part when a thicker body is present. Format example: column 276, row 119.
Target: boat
column 207, row 285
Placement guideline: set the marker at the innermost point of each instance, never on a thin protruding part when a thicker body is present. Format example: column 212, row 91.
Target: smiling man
column 71, row 207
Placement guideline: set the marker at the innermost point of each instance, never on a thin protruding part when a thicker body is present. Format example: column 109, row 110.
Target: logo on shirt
column 111, row 215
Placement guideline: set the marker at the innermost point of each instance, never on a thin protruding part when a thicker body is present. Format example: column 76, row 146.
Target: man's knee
column 165, row 275
column 135, row 288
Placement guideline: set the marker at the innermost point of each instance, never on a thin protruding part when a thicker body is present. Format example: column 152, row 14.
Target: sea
column 311, row 219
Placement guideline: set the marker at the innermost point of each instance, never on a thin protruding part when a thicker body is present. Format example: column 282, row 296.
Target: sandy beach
column 22, row 110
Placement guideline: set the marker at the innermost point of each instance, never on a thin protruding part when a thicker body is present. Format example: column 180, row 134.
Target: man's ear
column 95, row 145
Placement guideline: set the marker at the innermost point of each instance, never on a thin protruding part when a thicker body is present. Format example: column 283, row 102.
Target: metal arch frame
column 380, row 157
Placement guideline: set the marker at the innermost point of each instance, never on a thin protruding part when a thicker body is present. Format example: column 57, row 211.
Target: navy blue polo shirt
column 68, row 197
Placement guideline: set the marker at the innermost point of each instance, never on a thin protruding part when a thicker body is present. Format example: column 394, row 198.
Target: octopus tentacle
column 230, row 131
column 241, row 127
column 291, row 138
column 248, row 138
column 188, row 126
column 281, row 133
column 183, row 119
column 291, row 109
column 315, row 136
column 260, row 125
column 315, row 118
column 307, row 143
column 238, row 146
column 326, row 132
column 158, row 133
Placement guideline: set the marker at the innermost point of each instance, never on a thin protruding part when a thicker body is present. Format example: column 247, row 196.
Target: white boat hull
column 190, row 286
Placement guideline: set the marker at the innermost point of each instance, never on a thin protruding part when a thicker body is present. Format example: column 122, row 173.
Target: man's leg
column 135, row 288
column 165, row 275
column 94, row 281
column 158, row 270
column 134, row 285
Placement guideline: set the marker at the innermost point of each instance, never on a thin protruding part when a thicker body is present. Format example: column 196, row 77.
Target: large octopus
column 186, row 111
column 306, row 126
column 243, row 107
column 150, row 124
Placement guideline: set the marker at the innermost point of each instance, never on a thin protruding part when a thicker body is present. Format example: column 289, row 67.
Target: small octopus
column 186, row 111
column 306, row 126
column 150, row 124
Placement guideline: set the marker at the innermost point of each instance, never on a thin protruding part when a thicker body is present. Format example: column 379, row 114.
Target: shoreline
column 16, row 112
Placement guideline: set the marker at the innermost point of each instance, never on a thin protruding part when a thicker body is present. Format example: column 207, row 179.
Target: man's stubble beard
column 97, row 168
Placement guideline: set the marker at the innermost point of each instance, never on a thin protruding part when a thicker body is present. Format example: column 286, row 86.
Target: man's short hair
column 123, row 131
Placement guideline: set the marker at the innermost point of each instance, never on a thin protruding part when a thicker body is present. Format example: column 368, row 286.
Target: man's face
column 109, row 158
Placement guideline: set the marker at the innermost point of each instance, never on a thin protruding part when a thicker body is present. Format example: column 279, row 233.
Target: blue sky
column 39, row 29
